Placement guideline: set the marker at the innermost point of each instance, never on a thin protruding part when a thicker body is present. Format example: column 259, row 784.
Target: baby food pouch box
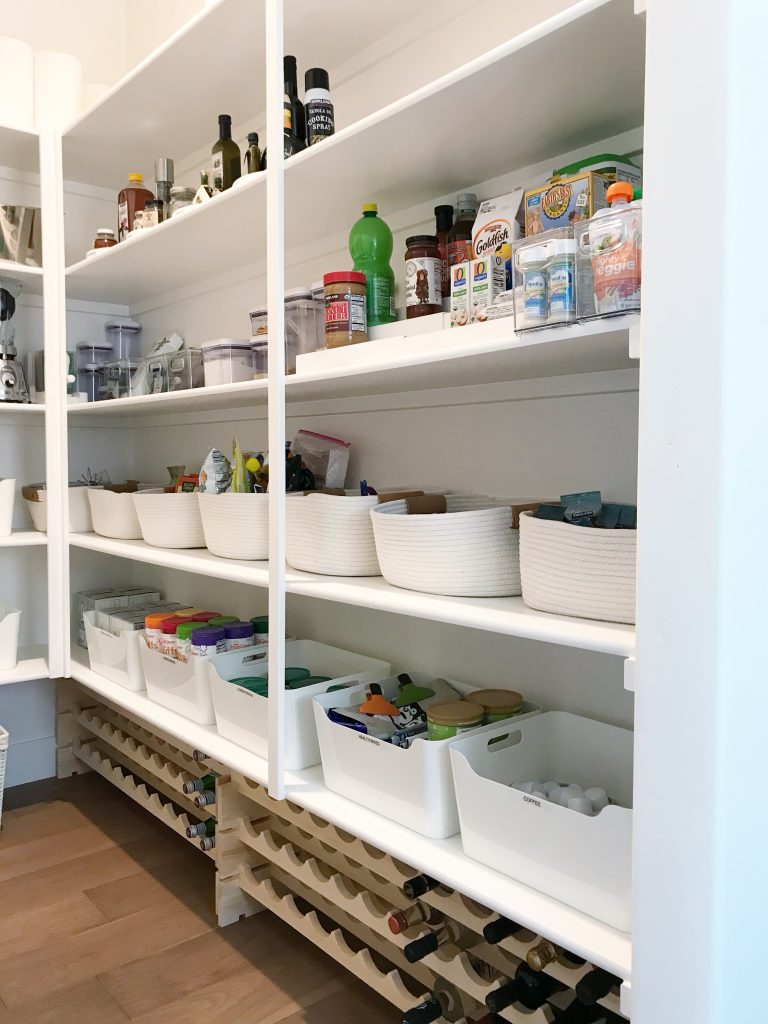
column 460, row 302
column 565, row 202
column 488, row 281
column 496, row 227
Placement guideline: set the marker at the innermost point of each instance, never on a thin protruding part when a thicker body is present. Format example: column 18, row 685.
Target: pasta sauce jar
column 346, row 315
column 423, row 276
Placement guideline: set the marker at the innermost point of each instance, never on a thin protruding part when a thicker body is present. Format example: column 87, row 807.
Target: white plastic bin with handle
column 413, row 786
column 241, row 715
column 181, row 686
column 7, row 493
column 10, row 622
column 580, row 860
column 115, row 657
column 4, row 741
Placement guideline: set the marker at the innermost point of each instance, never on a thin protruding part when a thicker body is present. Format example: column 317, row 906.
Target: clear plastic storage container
column 544, row 279
column 609, row 257
column 93, row 356
column 318, row 301
column 227, row 361
column 259, row 321
column 300, row 334
column 125, row 339
column 175, row 371
column 90, row 383
column 259, row 350
column 118, row 379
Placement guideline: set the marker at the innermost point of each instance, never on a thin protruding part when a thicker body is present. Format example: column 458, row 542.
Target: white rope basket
column 170, row 520
column 79, row 511
column 114, row 515
column 331, row 534
column 4, row 740
column 236, row 525
column 578, row 570
column 471, row 550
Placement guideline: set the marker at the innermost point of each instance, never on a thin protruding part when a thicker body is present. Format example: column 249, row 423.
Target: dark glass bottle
column 578, row 1013
column 546, row 952
column 226, row 154
column 419, row 885
column 501, row 928
column 460, row 235
column 528, row 987
column 595, row 985
column 294, row 109
column 443, row 224
column 252, row 156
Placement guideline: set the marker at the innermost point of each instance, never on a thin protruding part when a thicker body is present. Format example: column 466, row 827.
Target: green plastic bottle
column 370, row 246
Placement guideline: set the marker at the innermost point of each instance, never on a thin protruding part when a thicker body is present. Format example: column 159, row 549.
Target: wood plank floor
column 107, row 917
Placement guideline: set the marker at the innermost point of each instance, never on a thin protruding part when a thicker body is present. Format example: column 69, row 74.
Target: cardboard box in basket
column 583, row 861
column 412, row 786
column 114, row 657
column 241, row 715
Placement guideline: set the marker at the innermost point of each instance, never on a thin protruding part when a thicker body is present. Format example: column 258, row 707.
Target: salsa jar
column 346, row 314
column 423, row 276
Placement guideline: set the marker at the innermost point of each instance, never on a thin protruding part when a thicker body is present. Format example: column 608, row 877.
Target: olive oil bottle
column 225, row 154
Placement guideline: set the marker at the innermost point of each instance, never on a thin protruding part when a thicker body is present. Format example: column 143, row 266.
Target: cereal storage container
column 300, row 336
column 124, row 339
column 227, row 360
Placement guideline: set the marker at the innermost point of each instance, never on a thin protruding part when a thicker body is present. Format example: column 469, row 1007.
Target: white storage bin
column 114, row 515
column 170, row 520
column 10, row 622
column 236, row 525
column 79, row 510
column 331, row 534
column 583, row 861
column 115, row 657
column 578, row 570
column 7, row 493
column 4, row 742
column 413, row 787
column 241, row 715
column 470, row 550
column 181, row 686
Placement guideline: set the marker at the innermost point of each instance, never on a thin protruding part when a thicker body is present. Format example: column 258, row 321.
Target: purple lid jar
column 208, row 640
column 239, row 635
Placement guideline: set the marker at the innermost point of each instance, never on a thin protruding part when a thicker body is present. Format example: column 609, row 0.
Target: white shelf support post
column 56, row 447
column 701, row 704
column 630, row 672
column 276, row 391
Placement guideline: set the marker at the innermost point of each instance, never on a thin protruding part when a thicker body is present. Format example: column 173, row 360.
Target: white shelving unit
column 454, row 99
column 32, row 664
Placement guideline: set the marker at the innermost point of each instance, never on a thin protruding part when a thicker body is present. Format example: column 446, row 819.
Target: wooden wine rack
column 331, row 886
column 124, row 780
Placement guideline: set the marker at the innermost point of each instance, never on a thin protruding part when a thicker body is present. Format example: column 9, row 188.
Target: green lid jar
column 256, row 684
column 223, row 620
column 452, row 718
column 184, row 631
column 261, row 628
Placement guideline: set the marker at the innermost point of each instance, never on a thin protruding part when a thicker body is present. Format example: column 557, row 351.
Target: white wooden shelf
column 478, row 354
column 225, row 233
column 201, row 737
column 32, row 664
column 507, row 615
column 24, row 539
column 442, row 858
column 198, row 561
column 19, row 149
column 13, row 410
column 533, row 72
column 30, row 277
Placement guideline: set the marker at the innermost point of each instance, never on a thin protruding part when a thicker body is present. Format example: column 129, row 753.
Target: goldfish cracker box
column 496, row 227
column 565, row 202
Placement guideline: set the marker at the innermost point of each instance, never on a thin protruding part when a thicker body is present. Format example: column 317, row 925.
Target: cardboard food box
column 488, row 281
column 565, row 202
column 460, row 294
column 496, row 227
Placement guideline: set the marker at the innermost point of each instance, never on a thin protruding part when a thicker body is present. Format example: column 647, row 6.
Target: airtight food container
column 227, row 361
column 124, row 339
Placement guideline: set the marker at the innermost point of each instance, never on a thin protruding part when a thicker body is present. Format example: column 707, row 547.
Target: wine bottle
column 578, row 1013
column 202, row 828
column 530, row 988
column 595, row 985
column 198, row 785
column 207, row 843
column 419, row 886
column 420, row 913
column 446, row 1001
column 501, row 928
column 448, row 932
column 546, row 952
column 296, row 107
column 206, row 798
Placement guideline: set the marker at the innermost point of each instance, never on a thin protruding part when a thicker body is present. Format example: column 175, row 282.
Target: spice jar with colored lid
column 423, row 276
column 345, row 308
column 239, row 635
column 498, row 704
column 452, row 718
column 207, row 641
column 105, row 238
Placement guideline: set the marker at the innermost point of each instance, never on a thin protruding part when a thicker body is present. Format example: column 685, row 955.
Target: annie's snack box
column 488, row 279
column 565, row 202
column 460, row 294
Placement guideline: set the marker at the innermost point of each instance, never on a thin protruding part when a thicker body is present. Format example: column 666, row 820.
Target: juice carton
column 488, row 280
column 460, row 294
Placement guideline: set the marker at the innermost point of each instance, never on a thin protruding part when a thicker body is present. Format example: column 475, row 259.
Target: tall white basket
column 4, row 738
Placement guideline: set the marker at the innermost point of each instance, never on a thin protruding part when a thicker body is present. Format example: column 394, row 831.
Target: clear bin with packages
column 174, row 371
column 118, row 379
column 544, row 279
column 609, row 250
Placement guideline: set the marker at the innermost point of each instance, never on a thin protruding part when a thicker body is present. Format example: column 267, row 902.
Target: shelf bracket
column 630, row 671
